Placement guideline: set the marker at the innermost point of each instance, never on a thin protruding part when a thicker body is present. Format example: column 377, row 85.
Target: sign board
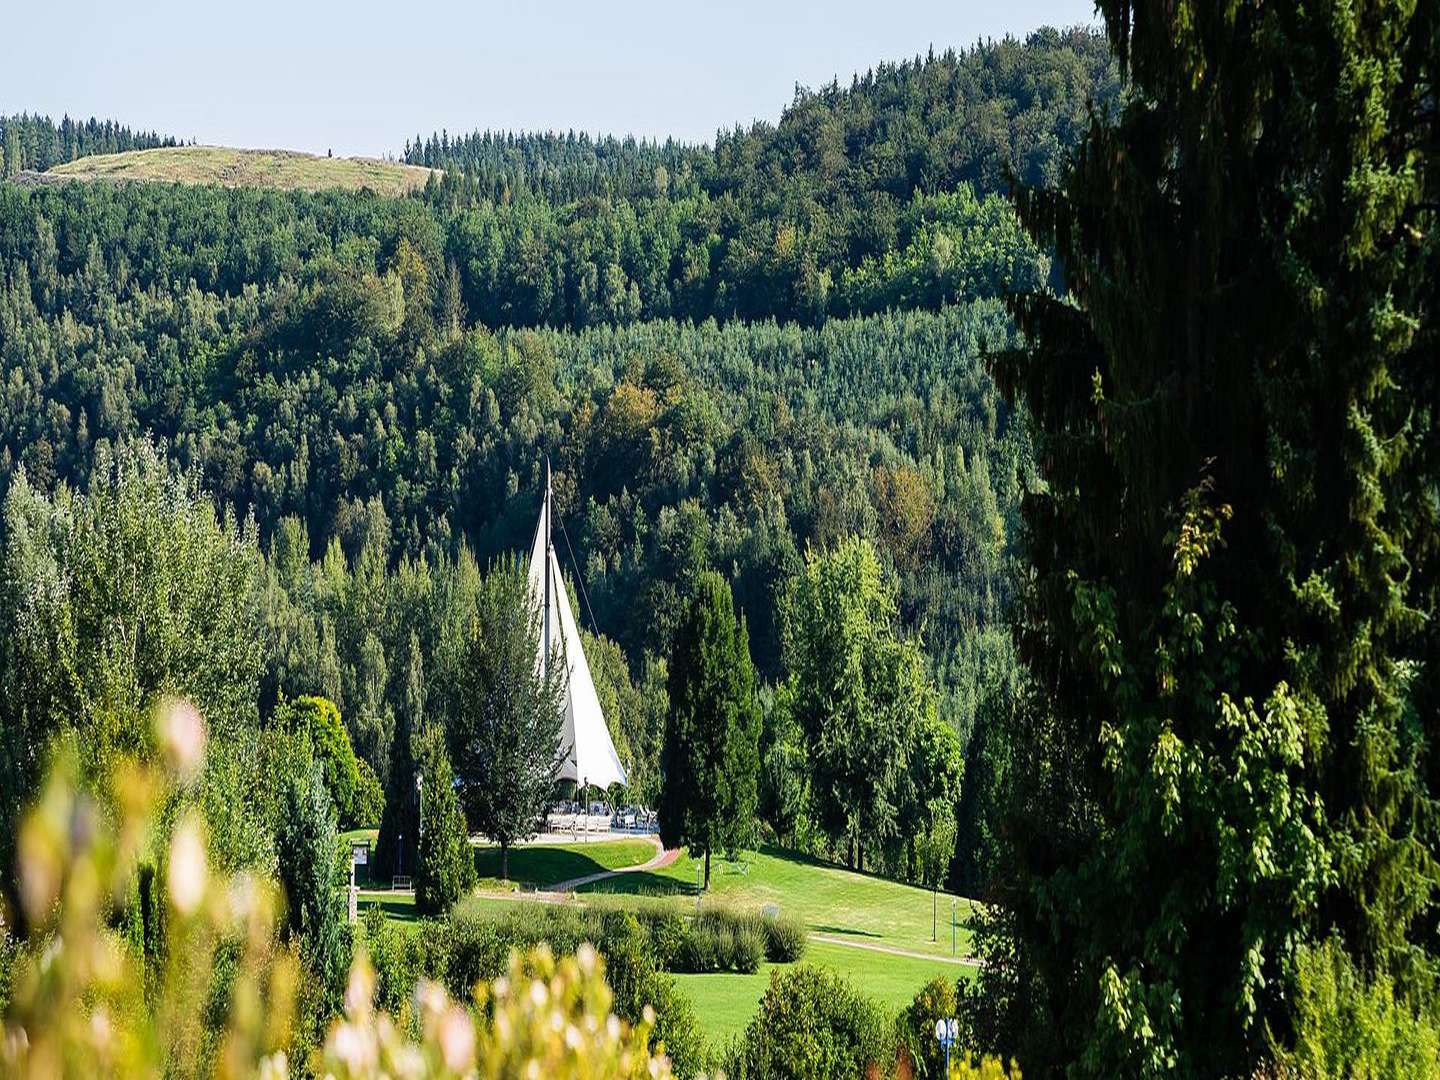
column 359, row 854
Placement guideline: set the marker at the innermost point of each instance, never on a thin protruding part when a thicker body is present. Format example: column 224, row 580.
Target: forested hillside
column 731, row 355
column 888, row 193
column 36, row 143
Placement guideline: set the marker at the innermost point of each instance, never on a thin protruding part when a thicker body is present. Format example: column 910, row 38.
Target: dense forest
column 985, row 475
column 377, row 383
column 36, row 143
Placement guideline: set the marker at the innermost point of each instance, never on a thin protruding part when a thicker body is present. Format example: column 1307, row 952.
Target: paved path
column 962, row 961
column 658, row 861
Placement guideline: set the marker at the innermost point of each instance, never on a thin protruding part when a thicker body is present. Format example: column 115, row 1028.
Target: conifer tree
column 710, row 759
column 395, row 849
column 1233, row 562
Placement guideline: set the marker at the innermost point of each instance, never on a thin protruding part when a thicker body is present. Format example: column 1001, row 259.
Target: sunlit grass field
column 284, row 169
column 858, row 909
column 829, row 899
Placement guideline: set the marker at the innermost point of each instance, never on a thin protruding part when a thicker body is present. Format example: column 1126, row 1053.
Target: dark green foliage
column 395, row 852
column 36, row 142
column 784, row 768
column 710, row 758
column 1233, row 584
column 444, row 865
column 319, row 720
column 504, row 722
column 721, row 940
column 309, row 866
column 811, row 1025
column 885, row 193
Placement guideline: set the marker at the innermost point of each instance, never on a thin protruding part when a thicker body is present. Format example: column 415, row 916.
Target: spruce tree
column 1232, row 584
column 444, row 866
column 395, row 850
column 710, row 759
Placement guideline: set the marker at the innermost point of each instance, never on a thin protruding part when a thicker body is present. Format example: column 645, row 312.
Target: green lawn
column 540, row 866
column 830, row 899
column 725, row 1003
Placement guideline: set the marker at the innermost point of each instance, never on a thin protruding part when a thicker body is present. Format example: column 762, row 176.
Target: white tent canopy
column 589, row 754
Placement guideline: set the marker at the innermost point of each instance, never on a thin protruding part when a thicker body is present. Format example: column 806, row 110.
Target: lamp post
column 947, row 1030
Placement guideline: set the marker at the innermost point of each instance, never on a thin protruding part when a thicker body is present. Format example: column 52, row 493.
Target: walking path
column 659, row 861
column 831, row 939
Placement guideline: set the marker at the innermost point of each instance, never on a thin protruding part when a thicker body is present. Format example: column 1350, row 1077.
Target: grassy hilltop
column 285, row 169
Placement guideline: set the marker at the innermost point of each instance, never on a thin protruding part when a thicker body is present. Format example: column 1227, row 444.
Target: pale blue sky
column 360, row 76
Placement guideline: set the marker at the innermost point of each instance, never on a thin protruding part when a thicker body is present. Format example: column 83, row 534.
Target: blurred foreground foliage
column 138, row 965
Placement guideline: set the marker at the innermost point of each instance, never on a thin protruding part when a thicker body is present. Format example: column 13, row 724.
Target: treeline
column 925, row 125
column 885, row 194
column 36, row 143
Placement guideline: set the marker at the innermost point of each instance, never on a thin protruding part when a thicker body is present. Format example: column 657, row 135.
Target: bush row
column 722, row 939
column 474, row 943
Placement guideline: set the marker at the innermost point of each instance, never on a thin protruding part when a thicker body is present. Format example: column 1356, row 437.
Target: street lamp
column 947, row 1031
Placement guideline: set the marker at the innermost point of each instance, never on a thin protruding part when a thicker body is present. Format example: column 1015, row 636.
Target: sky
column 362, row 76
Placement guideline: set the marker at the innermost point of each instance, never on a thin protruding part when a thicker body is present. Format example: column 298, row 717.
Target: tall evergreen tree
column 395, row 849
column 506, row 713
column 710, row 759
column 307, row 848
column 1233, row 583
column 444, row 866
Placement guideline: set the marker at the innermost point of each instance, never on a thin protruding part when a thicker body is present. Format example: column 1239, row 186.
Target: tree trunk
column 707, row 868
column 504, row 861
column 934, row 913
column 850, row 853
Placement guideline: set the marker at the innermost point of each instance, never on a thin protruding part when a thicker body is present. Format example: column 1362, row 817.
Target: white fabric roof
column 589, row 753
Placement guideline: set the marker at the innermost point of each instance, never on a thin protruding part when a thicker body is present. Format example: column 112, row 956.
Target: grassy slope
column 541, row 867
column 286, row 169
column 725, row 1003
column 830, row 899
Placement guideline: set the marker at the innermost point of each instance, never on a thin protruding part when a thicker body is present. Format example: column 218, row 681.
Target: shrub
column 935, row 1001
column 811, row 1024
column 747, row 949
column 719, row 939
column 785, row 939
column 700, row 950
column 1348, row 1026
column 319, row 718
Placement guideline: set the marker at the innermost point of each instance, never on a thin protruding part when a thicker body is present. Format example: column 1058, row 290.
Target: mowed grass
column 285, row 169
column 725, row 1004
column 541, row 866
column 859, row 909
column 829, row 899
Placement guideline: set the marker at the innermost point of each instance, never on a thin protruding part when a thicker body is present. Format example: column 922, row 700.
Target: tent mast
column 545, row 653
